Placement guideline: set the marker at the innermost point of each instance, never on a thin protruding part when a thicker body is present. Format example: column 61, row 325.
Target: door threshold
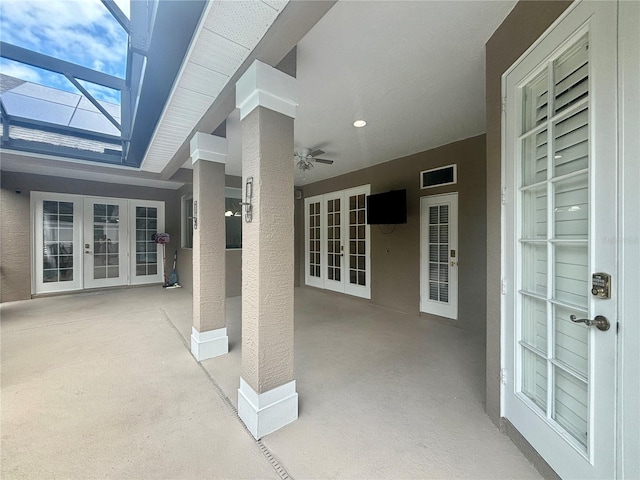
column 93, row 290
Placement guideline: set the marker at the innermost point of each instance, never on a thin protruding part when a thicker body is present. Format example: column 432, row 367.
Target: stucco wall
column 395, row 276
column 15, row 256
column 15, row 253
column 233, row 256
column 526, row 22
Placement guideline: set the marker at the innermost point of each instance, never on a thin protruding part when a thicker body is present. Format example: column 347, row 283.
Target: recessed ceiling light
column 359, row 123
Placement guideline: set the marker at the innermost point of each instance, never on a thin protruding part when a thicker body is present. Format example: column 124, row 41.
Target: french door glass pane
column 571, row 201
column 571, row 143
column 534, row 378
column 571, row 340
column 534, row 218
column 146, row 249
column 571, row 275
column 534, row 324
column 534, row 158
column 106, row 241
column 57, row 229
column 314, row 239
column 571, row 405
column 571, row 74
column 439, row 253
column 334, row 237
column 534, row 268
column 536, row 97
column 554, row 241
column 357, row 232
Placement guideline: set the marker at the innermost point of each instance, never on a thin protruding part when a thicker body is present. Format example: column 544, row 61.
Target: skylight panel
column 36, row 75
column 101, row 93
column 78, row 31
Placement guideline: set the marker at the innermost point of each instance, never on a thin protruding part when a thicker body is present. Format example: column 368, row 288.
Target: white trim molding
column 208, row 147
column 264, row 86
column 212, row 343
column 264, row 413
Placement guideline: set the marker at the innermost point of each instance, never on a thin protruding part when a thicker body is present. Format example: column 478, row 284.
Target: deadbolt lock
column 601, row 285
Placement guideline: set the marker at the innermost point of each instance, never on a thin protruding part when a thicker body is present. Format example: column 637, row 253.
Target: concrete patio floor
column 102, row 385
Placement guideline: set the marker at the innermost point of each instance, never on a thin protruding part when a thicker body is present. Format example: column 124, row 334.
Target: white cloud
column 79, row 31
column 20, row 71
column 102, row 93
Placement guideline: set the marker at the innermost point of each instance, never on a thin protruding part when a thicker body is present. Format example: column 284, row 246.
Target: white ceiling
column 415, row 71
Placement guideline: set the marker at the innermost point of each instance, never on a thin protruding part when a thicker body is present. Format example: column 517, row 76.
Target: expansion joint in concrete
column 280, row 470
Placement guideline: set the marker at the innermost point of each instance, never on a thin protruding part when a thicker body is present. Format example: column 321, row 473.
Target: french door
column 57, row 234
column 91, row 242
column 560, row 167
column 439, row 255
column 105, row 230
column 337, row 242
column 146, row 218
column 334, row 242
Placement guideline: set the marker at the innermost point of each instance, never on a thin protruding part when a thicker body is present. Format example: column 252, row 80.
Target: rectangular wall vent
column 437, row 177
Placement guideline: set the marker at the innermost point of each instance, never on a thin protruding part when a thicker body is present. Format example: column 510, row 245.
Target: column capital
column 264, row 86
column 208, row 147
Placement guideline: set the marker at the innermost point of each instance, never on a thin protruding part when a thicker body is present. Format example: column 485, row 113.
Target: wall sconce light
column 248, row 194
column 195, row 214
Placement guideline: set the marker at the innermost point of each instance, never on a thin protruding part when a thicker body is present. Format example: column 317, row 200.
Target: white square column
column 267, row 399
column 209, row 334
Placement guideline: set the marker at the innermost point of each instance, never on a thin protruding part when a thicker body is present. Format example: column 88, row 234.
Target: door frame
column 629, row 239
column 79, row 284
column 427, row 306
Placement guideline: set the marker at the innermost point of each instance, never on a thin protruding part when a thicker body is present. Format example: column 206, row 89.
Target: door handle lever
column 600, row 322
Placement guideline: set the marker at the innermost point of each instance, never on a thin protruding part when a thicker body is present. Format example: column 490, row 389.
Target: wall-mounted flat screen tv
column 387, row 208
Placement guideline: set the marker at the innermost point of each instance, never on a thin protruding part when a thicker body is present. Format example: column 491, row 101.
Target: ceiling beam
column 61, row 151
column 35, row 59
column 120, row 17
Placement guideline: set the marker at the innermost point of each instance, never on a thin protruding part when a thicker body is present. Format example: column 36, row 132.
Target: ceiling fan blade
column 323, row 160
column 316, row 153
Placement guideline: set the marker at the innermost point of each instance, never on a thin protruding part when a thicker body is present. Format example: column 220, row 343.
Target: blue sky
column 78, row 31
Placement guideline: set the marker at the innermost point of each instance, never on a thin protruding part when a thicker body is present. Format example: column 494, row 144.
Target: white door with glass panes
column 337, row 242
column 313, row 251
column 105, row 249
column 334, row 242
column 57, row 233
column 439, row 255
column 560, row 174
column 147, row 219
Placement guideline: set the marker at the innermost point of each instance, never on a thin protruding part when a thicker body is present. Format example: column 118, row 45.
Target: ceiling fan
column 306, row 158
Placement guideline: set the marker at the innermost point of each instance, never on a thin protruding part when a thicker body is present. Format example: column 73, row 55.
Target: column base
column 264, row 413
column 209, row 344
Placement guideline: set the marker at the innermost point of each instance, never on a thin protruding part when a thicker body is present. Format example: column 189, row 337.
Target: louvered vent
column 437, row 177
